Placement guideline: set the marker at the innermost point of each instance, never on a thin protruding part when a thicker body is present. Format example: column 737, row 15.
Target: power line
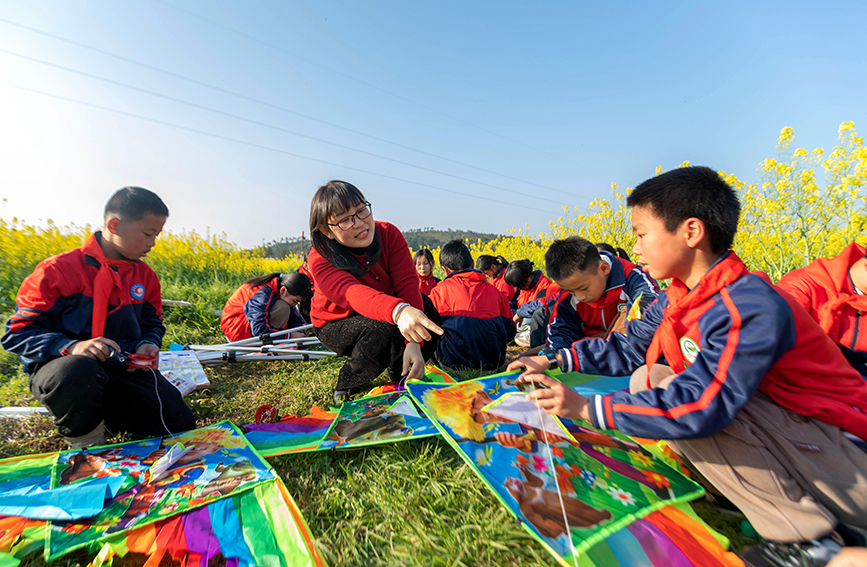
column 266, row 125
column 361, row 81
column 263, row 147
column 278, row 107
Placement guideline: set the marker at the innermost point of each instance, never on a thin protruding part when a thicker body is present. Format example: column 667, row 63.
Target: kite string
column 556, row 484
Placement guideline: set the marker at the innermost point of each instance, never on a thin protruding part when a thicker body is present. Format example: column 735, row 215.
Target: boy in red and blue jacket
column 734, row 373
column 832, row 290
column 79, row 312
column 476, row 316
column 596, row 290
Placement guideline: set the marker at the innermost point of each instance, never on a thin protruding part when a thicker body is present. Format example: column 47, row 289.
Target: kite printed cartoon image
column 572, row 485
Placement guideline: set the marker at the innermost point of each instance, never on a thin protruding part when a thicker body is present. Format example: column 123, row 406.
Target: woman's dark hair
column 133, row 203
column 332, row 199
column 295, row 283
column 518, row 272
column 427, row 254
column 486, row 261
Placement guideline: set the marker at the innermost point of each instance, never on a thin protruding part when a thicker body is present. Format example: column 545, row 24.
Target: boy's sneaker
column 773, row 554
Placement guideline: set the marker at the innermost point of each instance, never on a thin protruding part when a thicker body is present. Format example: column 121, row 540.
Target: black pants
column 372, row 346
column 539, row 327
column 80, row 392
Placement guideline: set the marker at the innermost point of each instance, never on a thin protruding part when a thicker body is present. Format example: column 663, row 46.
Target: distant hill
column 415, row 237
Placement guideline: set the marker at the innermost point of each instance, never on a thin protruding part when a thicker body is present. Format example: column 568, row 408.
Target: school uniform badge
column 690, row 350
column 137, row 291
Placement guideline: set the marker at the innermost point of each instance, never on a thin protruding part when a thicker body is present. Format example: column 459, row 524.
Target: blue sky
column 470, row 115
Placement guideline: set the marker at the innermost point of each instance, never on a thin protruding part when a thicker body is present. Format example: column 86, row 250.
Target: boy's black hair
column 427, row 254
column 332, row 199
column 518, row 272
column 692, row 192
column 570, row 255
column 485, row 261
column 455, row 256
column 133, row 203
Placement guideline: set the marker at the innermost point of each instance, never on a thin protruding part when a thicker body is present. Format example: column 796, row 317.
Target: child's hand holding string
column 556, row 399
column 414, row 324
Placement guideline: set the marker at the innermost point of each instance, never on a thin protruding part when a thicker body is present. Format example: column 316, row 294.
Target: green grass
column 409, row 503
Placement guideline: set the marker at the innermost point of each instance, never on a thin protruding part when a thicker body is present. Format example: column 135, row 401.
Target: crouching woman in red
column 265, row 304
column 367, row 305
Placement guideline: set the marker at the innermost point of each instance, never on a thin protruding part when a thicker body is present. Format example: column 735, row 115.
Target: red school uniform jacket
column 499, row 282
column 825, row 290
column 731, row 335
column 571, row 319
column 247, row 312
column 538, row 289
column 389, row 282
column 477, row 321
column 426, row 285
column 56, row 305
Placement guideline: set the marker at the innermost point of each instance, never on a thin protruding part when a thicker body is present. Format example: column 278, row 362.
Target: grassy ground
column 409, row 503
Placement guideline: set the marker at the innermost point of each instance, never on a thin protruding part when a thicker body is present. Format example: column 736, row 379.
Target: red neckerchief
column 833, row 275
column 104, row 283
column 680, row 299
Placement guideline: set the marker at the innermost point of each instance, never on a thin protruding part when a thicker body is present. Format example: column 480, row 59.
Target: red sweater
column 389, row 282
column 825, row 290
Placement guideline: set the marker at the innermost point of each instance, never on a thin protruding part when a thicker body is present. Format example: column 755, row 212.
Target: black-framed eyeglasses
column 349, row 222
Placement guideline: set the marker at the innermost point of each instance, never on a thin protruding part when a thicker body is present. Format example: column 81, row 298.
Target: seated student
column 367, row 304
column 529, row 284
column 476, row 317
column 832, row 291
column 265, row 304
column 597, row 290
column 424, row 264
column 79, row 311
column 495, row 268
column 754, row 393
column 605, row 247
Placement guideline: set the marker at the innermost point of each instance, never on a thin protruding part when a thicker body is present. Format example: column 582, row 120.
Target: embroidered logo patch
column 689, row 349
column 137, row 291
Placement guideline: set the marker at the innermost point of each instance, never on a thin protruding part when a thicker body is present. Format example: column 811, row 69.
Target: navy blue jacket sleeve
column 258, row 308
column 620, row 355
column 30, row 330
column 528, row 309
column 638, row 282
column 740, row 342
column 565, row 325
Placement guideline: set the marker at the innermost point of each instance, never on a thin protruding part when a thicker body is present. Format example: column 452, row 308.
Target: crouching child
column 733, row 372
column 78, row 314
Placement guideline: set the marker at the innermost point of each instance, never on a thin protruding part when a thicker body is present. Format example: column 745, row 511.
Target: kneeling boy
column 476, row 317
column 754, row 393
column 78, row 311
column 597, row 289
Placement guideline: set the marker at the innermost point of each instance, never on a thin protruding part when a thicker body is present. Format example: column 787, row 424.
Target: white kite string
column 556, row 484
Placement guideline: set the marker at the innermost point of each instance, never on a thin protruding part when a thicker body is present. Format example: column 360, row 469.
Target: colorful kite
column 570, row 485
column 385, row 415
column 218, row 498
